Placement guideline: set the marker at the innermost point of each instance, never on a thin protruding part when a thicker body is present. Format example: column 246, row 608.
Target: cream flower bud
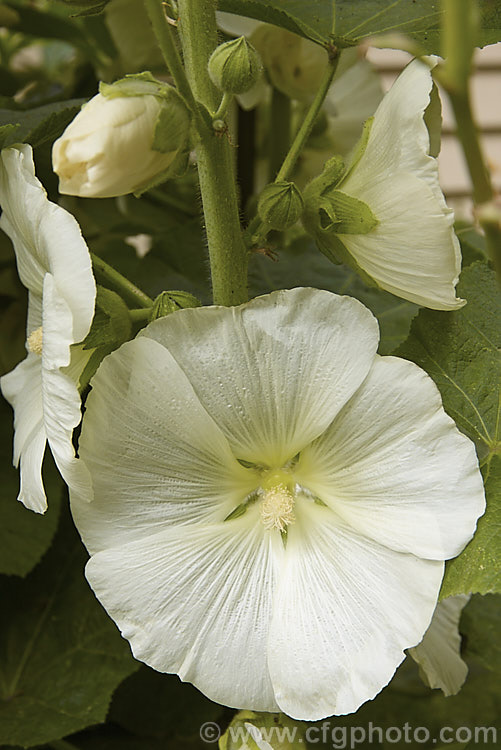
column 294, row 65
column 235, row 66
column 121, row 141
column 280, row 205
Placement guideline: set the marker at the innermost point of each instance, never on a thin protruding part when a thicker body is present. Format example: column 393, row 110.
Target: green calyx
column 169, row 302
column 137, row 84
column 235, row 66
column 280, row 205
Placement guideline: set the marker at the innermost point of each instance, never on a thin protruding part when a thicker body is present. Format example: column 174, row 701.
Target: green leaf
column 461, row 350
column 478, row 567
column 155, row 705
column 41, row 24
column 24, row 535
column 407, row 704
column 481, row 626
column 302, row 265
column 61, row 656
column 473, row 246
column 7, row 134
column 37, row 125
column 356, row 20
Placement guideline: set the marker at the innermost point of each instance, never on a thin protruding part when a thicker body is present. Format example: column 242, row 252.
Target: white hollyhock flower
column 439, row 653
column 54, row 265
column 273, row 502
column 413, row 251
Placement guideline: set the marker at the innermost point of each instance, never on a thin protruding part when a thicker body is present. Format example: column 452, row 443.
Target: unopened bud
column 250, row 730
column 235, row 66
column 168, row 302
column 280, row 205
column 124, row 140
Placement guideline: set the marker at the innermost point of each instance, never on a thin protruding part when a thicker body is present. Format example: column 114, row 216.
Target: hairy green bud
column 168, row 302
column 280, row 205
column 235, row 66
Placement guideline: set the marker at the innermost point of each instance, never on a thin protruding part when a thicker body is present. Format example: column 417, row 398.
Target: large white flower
column 273, row 502
column 412, row 250
column 54, row 265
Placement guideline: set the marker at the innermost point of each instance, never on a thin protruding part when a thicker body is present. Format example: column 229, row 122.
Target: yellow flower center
column 277, row 505
column 35, row 340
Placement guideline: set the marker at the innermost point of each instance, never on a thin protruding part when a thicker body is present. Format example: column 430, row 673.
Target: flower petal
column 196, row 600
column 274, row 372
column 154, row 454
column 46, row 238
column 394, row 466
column 345, row 610
column 414, row 252
column 23, row 390
column 438, row 654
column 60, row 396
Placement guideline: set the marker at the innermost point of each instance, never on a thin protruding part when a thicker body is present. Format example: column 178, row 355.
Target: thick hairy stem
column 227, row 252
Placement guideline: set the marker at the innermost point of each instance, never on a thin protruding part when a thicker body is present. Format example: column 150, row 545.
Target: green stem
column 279, row 131
column 139, row 314
column 257, row 231
column 167, row 42
column 119, row 283
column 459, row 34
column 62, row 745
column 468, row 136
column 227, row 252
column 304, row 131
column 222, row 110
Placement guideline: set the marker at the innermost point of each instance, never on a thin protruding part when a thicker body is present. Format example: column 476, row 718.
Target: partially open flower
column 273, row 502
column 54, row 265
column 122, row 143
column 409, row 248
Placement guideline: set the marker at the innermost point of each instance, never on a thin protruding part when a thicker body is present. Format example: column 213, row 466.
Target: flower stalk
column 257, row 231
column 459, row 35
column 227, row 252
column 120, row 284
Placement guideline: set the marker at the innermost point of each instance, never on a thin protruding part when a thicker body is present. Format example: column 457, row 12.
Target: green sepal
column 361, row 146
column 169, row 302
column 331, row 175
column 177, row 168
column 347, row 215
column 111, row 325
column 137, row 84
column 336, row 251
column 172, row 126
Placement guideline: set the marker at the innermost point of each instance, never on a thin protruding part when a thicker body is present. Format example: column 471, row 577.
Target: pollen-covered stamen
column 277, row 508
column 35, row 341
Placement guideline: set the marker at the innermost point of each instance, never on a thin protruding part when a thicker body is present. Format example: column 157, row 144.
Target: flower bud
column 169, row 302
column 294, row 65
column 124, row 140
column 235, row 66
column 280, row 205
column 250, row 730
